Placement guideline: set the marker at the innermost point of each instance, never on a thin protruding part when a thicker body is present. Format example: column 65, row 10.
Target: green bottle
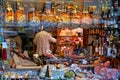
column 47, row 72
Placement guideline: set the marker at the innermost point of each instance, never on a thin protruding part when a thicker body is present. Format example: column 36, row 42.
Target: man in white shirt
column 42, row 41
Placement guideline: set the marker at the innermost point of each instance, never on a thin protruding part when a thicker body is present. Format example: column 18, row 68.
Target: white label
column 109, row 52
column 100, row 51
column 4, row 45
column 96, row 49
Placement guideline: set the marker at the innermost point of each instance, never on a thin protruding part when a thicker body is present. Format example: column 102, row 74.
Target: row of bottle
column 110, row 16
column 115, row 4
column 20, row 15
column 105, row 4
column 112, row 36
column 110, row 22
column 106, row 50
column 110, row 50
column 98, row 50
column 107, row 44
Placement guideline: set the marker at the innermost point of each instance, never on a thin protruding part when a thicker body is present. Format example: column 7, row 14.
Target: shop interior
column 93, row 26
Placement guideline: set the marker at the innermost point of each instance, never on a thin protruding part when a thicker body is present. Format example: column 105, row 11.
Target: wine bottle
column 108, row 51
column 100, row 50
column 96, row 49
column 115, row 4
column 114, row 51
column 111, row 38
column 47, row 72
column 4, row 50
column 4, row 55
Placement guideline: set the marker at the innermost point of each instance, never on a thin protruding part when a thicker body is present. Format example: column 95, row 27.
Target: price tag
column 4, row 45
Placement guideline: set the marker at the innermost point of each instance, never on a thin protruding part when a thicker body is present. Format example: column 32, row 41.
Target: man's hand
column 50, row 55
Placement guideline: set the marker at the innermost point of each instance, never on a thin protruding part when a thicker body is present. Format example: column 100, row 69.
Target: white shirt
column 42, row 41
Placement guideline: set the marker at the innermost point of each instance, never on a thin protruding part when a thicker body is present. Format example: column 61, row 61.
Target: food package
column 33, row 18
column 86, row 19
column 76, row 18
column 49, row 17
column 20, row 17
column 64, row 18
column 9, row 16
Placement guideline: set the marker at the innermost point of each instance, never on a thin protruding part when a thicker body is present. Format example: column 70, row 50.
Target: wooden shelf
column 68, row 36
column 79, row 2
column 93, row 34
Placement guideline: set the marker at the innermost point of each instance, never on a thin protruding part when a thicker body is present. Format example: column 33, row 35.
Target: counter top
column 86, row 65
column 28, row 67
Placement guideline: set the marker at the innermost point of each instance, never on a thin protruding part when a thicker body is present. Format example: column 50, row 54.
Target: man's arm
column 52, row 39
column 35, row 40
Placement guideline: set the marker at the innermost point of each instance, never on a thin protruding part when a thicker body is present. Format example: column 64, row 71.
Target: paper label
column 4, row 45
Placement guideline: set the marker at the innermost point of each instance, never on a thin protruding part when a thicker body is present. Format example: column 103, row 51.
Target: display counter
column 66, row 68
